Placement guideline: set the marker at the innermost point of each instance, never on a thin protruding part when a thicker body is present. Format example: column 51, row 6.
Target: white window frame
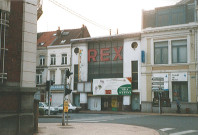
column 39, row 80
column 161, row 57
column 53, row 59
column 64, row 59
column 42, row 60
column 178, row 47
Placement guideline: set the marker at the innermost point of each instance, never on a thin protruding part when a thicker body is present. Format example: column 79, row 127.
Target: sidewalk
column 93, row 129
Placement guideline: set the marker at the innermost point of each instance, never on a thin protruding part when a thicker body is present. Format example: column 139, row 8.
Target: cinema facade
column 106, row 72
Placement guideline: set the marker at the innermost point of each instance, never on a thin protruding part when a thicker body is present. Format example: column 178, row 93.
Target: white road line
column 166, row 129
column 184, row 132
column 88, row 121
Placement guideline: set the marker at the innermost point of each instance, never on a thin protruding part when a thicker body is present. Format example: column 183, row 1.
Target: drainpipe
column 195, row 11
column 196, row 55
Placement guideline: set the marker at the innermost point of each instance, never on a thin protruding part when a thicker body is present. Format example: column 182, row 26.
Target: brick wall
column 14, row 43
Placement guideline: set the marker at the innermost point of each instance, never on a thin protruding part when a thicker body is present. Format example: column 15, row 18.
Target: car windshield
column 42, row 104
column 61, row 105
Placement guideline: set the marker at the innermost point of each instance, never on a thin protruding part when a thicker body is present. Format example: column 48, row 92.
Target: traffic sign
column 157, row 83
column 65, row 106
column 158, row 79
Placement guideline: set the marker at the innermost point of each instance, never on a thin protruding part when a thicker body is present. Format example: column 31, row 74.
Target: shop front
column 112, row 91
column 111, row 103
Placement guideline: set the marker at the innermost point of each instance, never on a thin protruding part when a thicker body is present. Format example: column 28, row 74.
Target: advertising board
column 112, row 86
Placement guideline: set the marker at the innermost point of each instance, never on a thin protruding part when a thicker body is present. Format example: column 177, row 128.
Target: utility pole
column 65, row 85
column 67, row 91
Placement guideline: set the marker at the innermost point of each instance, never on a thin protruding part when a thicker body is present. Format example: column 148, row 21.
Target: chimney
column 83, row 30
column 58, row 32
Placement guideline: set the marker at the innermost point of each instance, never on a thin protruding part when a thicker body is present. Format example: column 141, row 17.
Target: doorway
column 135, row 102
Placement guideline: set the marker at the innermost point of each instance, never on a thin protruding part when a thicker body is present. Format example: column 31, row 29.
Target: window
column 38, row 78
column 179, row 51
column 53, row 59
column 106, row 59
column 42, row 60
column 64, row 58
column 52, row 76
column 180, row 91
column 134, row 66
column 161, row 52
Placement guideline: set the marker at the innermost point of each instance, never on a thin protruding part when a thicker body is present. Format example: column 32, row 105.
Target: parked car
column 71, row 108
column 44, row 106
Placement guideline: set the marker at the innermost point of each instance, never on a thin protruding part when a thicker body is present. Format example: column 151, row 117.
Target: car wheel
column 46, row 112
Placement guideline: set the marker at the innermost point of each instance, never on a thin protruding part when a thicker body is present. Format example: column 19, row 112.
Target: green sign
column 125, row 89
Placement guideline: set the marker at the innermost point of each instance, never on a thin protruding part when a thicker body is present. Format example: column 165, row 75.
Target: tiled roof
column 61, row 37
column 45, row 37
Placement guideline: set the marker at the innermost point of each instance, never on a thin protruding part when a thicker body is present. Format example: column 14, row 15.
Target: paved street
column 173, row 125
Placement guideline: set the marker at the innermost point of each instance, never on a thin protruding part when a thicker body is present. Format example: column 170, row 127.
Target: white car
column 71, row 108
column 44, row 106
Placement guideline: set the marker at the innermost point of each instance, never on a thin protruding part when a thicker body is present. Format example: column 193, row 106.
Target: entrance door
column 94, row 103
column 76, row 99
column 135, row 102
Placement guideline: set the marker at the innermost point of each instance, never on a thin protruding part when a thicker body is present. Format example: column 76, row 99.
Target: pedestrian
column 178, row 105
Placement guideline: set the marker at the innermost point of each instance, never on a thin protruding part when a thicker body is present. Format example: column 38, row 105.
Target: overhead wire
column 79, row 15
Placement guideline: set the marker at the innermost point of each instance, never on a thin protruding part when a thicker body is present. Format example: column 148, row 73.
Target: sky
column 124, row 15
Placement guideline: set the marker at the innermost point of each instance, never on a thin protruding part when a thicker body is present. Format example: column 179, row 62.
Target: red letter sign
column 93, row 57
column 118, row 53
column 104, row 54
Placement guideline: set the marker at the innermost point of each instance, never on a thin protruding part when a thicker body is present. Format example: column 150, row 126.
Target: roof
column 61, row 37
column 107, row 38
column 185, row 2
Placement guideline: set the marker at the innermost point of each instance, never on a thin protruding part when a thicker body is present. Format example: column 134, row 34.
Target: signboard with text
column 113, row 86
column 160, row 82
column 179, row 76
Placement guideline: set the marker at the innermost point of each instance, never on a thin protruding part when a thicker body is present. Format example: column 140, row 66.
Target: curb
column 122, row 113
column 140, row 113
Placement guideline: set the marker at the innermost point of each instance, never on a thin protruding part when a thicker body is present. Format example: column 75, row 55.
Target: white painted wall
column 58, row 50
column 130, row 54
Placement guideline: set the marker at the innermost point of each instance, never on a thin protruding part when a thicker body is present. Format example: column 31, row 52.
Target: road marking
column 97, row 119
column 184, row 132
column 166, row 129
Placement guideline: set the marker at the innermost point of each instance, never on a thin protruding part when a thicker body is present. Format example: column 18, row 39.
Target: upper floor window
column 38, row 78
column 64, row 58
column 42, row 60
column 53, row 59
column 179, row 51
column 161, row 52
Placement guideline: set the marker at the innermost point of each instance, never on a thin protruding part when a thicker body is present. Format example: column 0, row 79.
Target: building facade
column 169, row 41
column 103, row 68
column 53, row 58
column 17, row 66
